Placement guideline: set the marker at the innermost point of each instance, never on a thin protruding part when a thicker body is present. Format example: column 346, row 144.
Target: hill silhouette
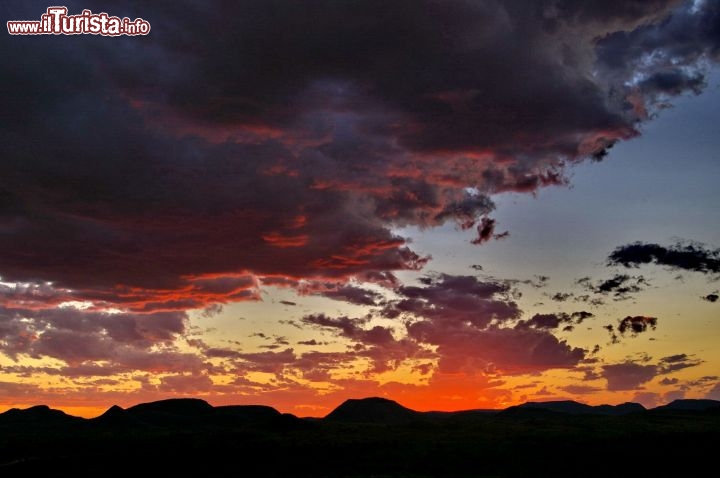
column 39, row 415
column 172, row 412
column 577, row 408
column 173, row 406
column 193, row 413
column 687, row 404
column 116, row 417
column 362, row 437
column 372, row 410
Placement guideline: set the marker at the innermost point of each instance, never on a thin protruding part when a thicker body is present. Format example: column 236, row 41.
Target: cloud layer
column 149, row 163
column 254, row 144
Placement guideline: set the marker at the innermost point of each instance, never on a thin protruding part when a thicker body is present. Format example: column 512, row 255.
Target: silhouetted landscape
column 365, row 437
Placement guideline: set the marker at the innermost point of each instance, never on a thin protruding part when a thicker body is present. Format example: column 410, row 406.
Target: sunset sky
column 452, row 204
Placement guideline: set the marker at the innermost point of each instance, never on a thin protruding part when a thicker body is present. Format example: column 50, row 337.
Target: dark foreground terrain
column 368, row 437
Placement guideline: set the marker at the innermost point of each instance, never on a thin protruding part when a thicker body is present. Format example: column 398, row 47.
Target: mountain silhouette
column 174, row 412
column 173, row 406
column 116, row 417
column 577, row 408
column 361, row 437
column 372, row 410
column 39, row 415
column 178, row 413
column 687, row 404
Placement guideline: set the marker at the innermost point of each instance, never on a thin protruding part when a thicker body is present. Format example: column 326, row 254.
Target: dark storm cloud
column 693, row 31
column 624, row 13
column 287, row 139
column 673, row 82
column 691, row 257
column 712, row 297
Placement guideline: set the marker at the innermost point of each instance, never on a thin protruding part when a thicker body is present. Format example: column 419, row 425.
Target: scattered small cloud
column 561, row 296
column 620, row 286
column 212, row 310
column 311, row 342
column 673, row 363
column 635, row 325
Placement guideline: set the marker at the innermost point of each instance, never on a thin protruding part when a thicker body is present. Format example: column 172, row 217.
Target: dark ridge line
column 372, row 408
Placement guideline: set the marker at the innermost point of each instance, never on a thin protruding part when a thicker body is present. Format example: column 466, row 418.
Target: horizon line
column 357, row 399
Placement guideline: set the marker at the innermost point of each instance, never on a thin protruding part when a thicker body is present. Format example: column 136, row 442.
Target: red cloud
column 466, row 348
column 278, row 240
column 457, row 316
